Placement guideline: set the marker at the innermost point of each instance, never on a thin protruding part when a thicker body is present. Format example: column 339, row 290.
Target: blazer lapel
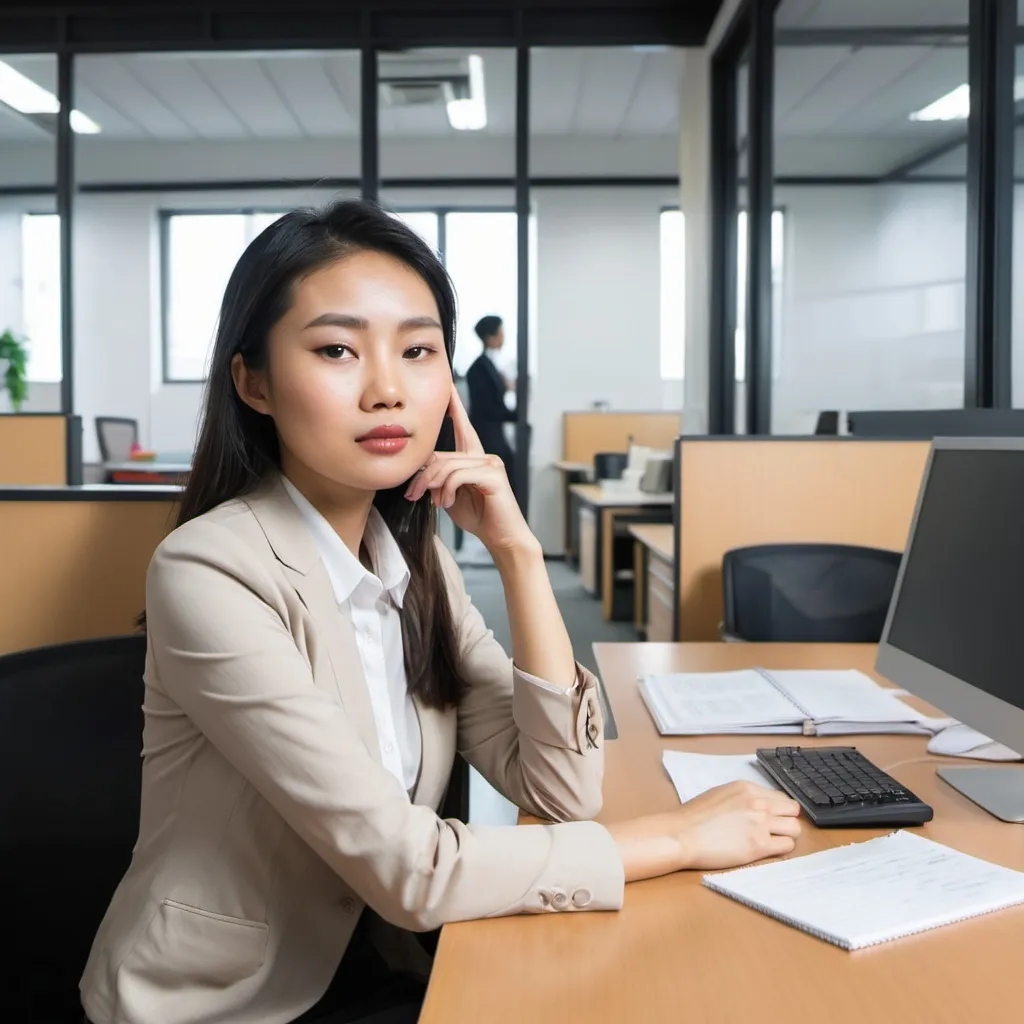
column 294, row 547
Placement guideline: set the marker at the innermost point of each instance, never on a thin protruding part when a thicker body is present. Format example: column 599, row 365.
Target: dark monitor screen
column 961, row 604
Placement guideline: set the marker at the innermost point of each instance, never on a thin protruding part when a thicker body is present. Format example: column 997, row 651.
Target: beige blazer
column 268, row 822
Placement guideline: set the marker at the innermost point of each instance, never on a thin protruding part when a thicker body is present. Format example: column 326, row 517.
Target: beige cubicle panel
column 734, row 492
column 34, row 449
column 586, row 433
column 75, row 569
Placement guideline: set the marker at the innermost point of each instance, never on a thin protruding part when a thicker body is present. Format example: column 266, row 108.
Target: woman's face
column 357, row 378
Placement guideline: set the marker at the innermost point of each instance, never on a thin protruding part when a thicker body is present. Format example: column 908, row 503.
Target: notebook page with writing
column 696, row 703
column 849, row 701
column 868, row 893
column 693, row 774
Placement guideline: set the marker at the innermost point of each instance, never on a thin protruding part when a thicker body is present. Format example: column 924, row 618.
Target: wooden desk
column 571, row 473
column 653, row 580
column 597, row 512
column 679, row 952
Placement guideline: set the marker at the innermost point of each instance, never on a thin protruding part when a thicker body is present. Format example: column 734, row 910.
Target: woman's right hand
column 726, row 827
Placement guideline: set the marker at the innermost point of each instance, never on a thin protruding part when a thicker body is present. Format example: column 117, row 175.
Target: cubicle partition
column 737, row 491
column 75, row 558
column 928, row 423
column 586, row 433
column 40, row 449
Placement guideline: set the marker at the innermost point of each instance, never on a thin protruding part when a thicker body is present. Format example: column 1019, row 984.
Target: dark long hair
column 238, row 447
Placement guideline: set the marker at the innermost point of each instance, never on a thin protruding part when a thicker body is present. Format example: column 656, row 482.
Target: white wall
column 597, row 321
column 873, row 301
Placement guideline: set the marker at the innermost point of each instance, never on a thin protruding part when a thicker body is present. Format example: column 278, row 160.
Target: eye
column 419, row 352
column 335, row 352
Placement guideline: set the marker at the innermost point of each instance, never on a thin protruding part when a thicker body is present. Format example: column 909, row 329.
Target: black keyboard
column 840, row 787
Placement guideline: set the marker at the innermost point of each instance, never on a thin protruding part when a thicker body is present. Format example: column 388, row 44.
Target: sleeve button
column 581, row 897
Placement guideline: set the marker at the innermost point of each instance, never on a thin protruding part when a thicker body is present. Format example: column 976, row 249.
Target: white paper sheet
column 872, row 892
column 693, row 774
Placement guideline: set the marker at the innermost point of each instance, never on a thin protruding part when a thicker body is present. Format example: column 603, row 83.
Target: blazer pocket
column 187, row 946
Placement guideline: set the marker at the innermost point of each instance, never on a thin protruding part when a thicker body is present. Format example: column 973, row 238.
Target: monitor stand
column 1000, row 791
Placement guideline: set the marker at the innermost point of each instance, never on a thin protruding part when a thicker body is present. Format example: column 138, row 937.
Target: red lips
column 384, row 432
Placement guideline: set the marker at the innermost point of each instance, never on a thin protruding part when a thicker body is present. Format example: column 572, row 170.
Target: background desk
column 139, row 471
column 596, row 513
column 653, row 580
column 571, row 473
column 679, row 952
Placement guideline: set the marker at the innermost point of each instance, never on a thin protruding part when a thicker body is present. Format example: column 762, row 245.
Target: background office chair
column 828, row 422
column 116, row 435
column 807, row 593
column 70, row 761
column 610, row 465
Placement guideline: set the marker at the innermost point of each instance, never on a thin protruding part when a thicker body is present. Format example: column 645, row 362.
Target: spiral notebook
column 801, row 701
column 873, row 892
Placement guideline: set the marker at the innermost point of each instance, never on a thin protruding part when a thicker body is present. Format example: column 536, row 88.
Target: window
column 480, row 256
column 424, row 223
column 778, row 239
column 673, row 294
column 201, row 251
column 40, row 294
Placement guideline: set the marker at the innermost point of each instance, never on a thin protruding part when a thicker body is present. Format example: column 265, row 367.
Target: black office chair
column 807, row 593
column 610, row 465
column 828, row 422
column 116, row 435
column 70, row 761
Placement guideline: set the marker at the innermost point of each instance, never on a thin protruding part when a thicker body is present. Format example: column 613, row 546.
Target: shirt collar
column 343, row 567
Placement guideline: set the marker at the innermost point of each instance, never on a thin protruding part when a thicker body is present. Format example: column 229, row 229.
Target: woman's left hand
column 474, row 488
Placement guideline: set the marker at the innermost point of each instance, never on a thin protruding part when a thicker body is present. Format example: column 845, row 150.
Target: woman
column 314, row 663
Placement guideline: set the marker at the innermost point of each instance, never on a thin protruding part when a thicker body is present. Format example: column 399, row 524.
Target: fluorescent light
column 956, row 104
column 83, row 124
column 20, row 92
column 470, row 114
column 27, row 97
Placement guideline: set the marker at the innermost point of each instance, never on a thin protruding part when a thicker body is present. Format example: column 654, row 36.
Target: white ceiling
column 872, row 13
column 839, row 109
column 315, row 95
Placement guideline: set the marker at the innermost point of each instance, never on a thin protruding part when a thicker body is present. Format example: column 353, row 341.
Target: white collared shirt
column 373, row 603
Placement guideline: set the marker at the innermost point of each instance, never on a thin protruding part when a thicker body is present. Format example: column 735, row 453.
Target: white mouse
column 961, row 740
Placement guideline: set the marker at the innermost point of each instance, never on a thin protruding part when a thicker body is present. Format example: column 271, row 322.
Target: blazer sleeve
column 541, row 747
column 221, row 649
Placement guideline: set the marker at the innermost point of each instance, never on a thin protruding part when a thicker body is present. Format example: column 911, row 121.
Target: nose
column 383, row 383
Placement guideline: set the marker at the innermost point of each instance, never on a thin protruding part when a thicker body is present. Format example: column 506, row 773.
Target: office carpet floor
column 583, row 619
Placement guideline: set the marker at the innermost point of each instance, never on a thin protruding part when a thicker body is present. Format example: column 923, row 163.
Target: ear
column 251, row 385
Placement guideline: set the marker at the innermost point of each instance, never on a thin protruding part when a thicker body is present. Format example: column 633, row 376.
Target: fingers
column 785, row 827
column 466, row 438
column 447, row 472
column 779, row 846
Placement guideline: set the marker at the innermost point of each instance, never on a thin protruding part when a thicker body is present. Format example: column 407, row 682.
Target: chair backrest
column 808, row 593
column 70, row 760
column 116, row 435
column 610, row 465
column 828, row 422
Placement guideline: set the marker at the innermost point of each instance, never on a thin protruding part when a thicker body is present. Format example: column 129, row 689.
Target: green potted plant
column 14, row 354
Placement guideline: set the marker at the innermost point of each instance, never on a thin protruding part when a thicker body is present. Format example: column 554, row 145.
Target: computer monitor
column 954, row 634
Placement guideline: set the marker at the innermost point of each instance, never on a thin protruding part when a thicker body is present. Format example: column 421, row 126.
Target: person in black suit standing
column 487, row 410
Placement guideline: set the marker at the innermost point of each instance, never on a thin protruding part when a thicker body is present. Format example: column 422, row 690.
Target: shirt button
column 388, row 748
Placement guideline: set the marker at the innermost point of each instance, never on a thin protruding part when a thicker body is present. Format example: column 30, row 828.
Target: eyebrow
column 358, row 323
